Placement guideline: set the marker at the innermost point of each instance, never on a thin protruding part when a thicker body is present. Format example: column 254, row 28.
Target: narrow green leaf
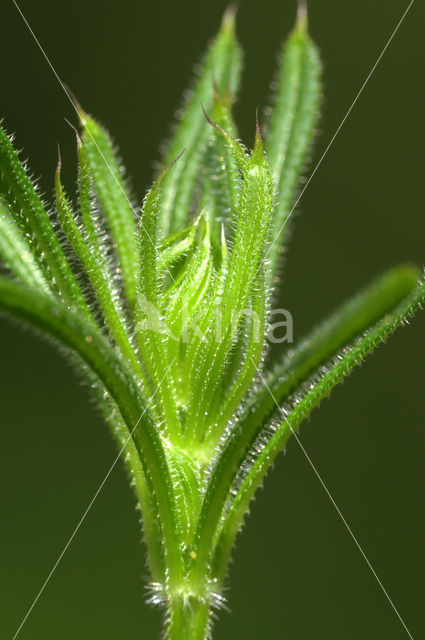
column 74, row 332
column 114, row 200
column 190, row 288
column 17, row 255
column 292, row 126
column 207, row 357
column 176, row 246
column 185, row 476
column 248, row 361
column 187, row 300
column 221, row 66
column 33, row 219
column 102, row 284
column 151, row 329
column 148, row 244
column 148, row 508
column 342, row 366
column 376, row 302
column 354, row 317
column 87, row 209
column 221, row 181
column 133, row 463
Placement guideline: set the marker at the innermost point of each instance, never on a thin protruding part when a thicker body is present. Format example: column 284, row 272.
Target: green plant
column 166, row 315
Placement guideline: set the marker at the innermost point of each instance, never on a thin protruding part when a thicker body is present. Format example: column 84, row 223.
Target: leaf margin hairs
column 342, row 365
column 291, row 126
column 16, row 253
column 33, row 218
column 75, row 332
column 221, row 67
column 115, row 201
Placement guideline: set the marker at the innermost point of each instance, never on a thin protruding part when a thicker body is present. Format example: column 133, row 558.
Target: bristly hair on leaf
column 164, row 305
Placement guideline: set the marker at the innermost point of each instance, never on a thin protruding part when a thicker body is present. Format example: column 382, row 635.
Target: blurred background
column 297, row 573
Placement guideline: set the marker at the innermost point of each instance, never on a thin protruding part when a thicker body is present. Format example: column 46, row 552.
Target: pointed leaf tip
column 206, row 115
column 258, row 143
column 166, row 169
column 257, row 126
column 172, row 163
column 229, row 17
column 58, row 181
column 77, row 106
column 59, row 164
column 211, row 121
column 77, row 135
column 302, row 14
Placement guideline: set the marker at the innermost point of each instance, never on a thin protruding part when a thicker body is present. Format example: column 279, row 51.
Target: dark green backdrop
column 297, row 574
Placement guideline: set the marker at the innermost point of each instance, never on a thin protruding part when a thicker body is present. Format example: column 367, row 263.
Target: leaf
column 207, row 357
column 176, row 246
column 221, row 66
column 376, row 302
column 74, row 332
column 321, row 386
column 148, row 244
column 86, row 206
column 151, row 329
column 248, row 360
column 354, row 317
column 16, row 253
column 220, row 180
column 189, row 287
column 147, row 506
column 28, row 210
column 131, row 458
column 292, row 125
column 107, row 174
column 186, row 300
column 102, row 284
column 186, row 478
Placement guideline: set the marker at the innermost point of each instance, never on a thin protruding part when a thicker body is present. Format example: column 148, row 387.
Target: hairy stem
column 189, row 618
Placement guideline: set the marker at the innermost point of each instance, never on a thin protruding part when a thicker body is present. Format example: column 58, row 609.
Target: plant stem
column 189, row 618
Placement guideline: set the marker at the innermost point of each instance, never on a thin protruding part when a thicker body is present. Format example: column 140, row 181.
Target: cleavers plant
column 164, row 309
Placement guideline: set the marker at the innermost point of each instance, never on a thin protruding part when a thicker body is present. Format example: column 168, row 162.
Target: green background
column 297, row 573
